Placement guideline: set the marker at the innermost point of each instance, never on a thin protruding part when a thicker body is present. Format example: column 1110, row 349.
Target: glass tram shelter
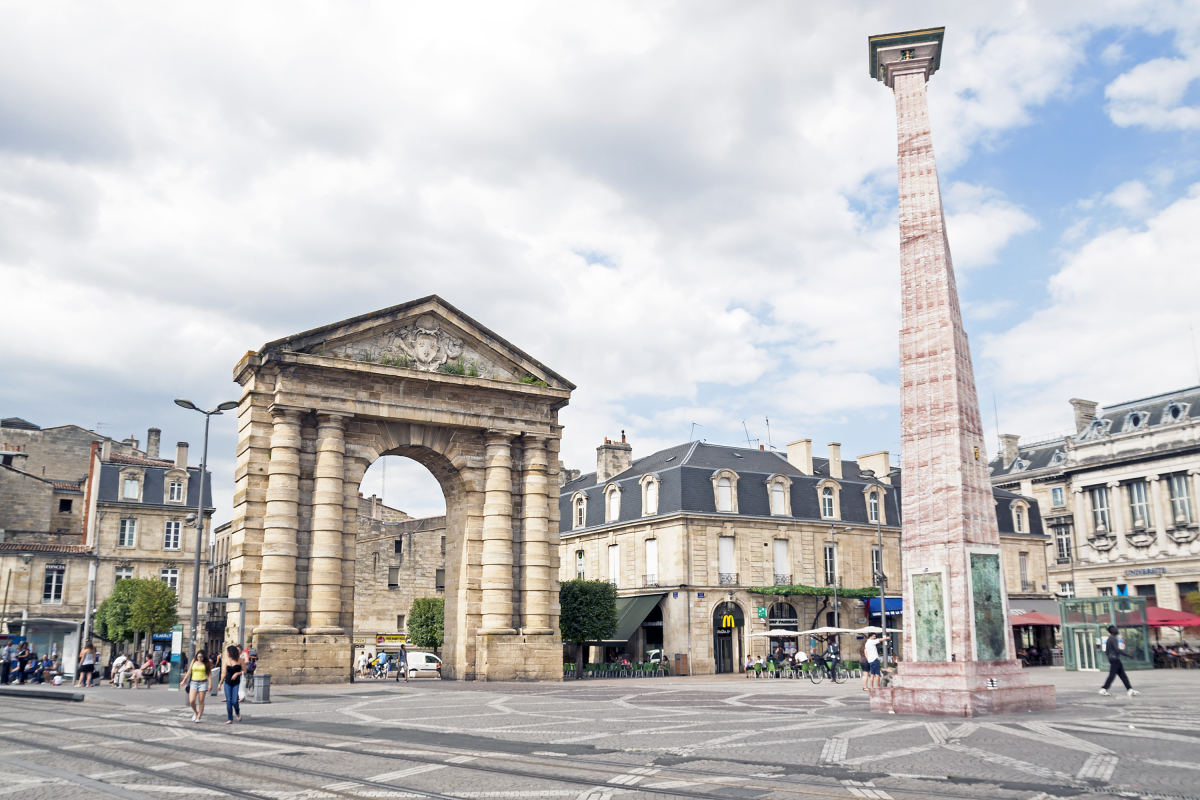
column 1084, row 625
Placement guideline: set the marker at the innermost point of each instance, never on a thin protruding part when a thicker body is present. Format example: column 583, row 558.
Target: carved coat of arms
column 422, row 345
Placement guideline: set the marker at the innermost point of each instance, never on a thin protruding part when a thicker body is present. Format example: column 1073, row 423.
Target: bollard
column 262, row 688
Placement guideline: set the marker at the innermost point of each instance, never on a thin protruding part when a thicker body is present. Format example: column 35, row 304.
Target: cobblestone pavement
column 721, row 739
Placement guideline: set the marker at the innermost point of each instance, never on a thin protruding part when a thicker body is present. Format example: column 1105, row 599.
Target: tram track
column 593, row 773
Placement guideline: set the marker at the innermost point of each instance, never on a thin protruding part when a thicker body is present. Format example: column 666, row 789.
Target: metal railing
column 1062, row 560
column 649, row 580
column 1026, row 586
column 727, row 578
column 782, row 580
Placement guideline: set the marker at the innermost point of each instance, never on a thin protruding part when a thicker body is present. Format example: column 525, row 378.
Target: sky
column 688, row 209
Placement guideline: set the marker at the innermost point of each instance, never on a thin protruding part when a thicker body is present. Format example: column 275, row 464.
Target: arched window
column 778, row 500
column 724, row 495
column 873, row 506
column 614, row 504
column 650, row 505
column 827, row 502
column 1019, row 519
column 579, row 511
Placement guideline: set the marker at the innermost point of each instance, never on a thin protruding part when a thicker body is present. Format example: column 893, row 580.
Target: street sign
column 762, row 612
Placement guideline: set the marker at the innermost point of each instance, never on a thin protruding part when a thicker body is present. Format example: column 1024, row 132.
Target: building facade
column 687, row 533
column 71, row 501
column 1118, row 497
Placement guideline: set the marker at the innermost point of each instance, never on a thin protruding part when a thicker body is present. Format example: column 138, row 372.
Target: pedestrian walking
column 198, row 680
column 6, row 654
column 402, row 664
column 1114, row 649
column 362, row 664
column 871, row 650
column 87, row 666
column 231, row 682
column 22, row 659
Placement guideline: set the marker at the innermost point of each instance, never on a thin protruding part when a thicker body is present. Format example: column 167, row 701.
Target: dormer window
column 649, row 495
column 175, row 492
column 724, row 495
column 1058, row 458
column 1020, row 465
column 1096, row 429
column 830, row 498
column 131, row 489
column 1135, row 420
column 579, row 510
column 827, row 503
column 873, row 506
column 1174, row 412
column 612, row 503
column 777, row 499
column 779, row 495
column 725, row 491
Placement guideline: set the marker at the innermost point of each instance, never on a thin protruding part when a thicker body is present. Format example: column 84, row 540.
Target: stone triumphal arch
column 421, row 380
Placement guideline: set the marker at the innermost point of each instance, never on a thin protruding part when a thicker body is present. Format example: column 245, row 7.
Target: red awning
column 1166, row 618
column 1034, row 618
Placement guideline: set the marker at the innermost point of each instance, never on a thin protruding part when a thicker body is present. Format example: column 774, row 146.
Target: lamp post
column 869, row 474
column 199, row 520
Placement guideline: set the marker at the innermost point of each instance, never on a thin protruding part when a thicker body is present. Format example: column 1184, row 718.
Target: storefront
column 728, row 625
column 58, row 637
column 893, row 620
column 783, row 617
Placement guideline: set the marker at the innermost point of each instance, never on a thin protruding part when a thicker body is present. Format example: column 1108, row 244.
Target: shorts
column 86, row 669
column 864, row 666
column 198, row 686
column 875, row 667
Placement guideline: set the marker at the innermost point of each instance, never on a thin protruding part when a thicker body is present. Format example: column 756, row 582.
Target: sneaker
column 1106, row 692
column 1133, row 693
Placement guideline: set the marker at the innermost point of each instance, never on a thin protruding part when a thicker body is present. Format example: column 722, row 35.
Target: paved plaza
column 727, row 738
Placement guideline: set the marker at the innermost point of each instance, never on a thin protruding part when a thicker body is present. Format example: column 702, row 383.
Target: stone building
column 1117, row 496
column 685, row 534
column 71, row 498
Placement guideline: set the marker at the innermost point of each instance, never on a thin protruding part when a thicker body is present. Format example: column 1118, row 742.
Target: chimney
column 106, row 450
column 1010, row 446
column 153, row 436
column 613, row 458
column 879, row 463
column 799, row 455
column 181, row 455
column 835, row 460
column 1085, row 412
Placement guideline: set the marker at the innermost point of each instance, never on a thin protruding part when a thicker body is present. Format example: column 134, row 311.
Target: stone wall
column 26, row 502
column 59, row 453
column 377, row 603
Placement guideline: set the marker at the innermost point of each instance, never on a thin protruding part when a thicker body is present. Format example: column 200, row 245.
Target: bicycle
column 816, row 670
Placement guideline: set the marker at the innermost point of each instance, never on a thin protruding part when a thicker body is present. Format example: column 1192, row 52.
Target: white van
column 426, row 664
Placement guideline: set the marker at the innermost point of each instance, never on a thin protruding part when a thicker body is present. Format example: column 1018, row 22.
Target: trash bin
column 262, row 687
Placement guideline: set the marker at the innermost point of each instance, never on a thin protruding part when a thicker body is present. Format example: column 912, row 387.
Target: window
column 175, row 492
column 171, row 534
column 53, row 585
column 651, row 562
column 1019, row 519
column 439, row 579
column 579, row 570
column 580, row 512
column 1181, row 501
column 827, row 502
column 170, row 577
column 1058, row 497
column 1066, row 588
column 613, row 504
column 64, row 506
column 1139, row 504
column 876, row 564
column 1106, row 591
column 726, row 561
column 125, row 532
column 651, row 503
column 122, row 573
column 1023, row 560
column 873, row 507
column 1148, row 591
column 1062, row 539
column 399, row 546
column 393, row 577
column 614, row 564
column 443, row 547
column 830, row 564
column 778, row 499
column 131, row 489
column 724, row 495
column 1100, row 520
column 400, row 623
column 783, row 575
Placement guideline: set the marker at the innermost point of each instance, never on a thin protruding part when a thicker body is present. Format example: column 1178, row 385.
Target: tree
column 155, row 608
column 589, row 614
column 427, row 622
column 112, row 616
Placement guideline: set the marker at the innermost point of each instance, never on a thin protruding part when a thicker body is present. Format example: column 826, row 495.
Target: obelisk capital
column 905, row 52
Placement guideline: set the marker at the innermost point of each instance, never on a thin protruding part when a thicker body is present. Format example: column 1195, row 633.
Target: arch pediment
column 425, row 335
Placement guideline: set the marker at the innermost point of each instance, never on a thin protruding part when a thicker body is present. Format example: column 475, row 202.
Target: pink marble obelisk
column 958, row 656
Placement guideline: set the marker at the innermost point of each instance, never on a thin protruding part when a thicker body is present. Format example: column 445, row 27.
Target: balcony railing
column 649, row 580
column 1026, row 586
column 1062, row 560
column 782, row 580
column 727, row 578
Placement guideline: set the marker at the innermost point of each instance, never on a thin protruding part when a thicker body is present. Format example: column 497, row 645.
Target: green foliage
column 588, row 614
column 397, row 361
column 113, row 616
column 456, row 367
column 531, row 380
column 155, row 607
column 800, row 590
column 472, row 370
column 427, row 622
column 1193, row 600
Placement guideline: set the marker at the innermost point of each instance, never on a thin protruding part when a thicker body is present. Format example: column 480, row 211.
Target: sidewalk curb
column 41, row 694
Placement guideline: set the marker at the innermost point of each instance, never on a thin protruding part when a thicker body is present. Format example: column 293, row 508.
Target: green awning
column 631, row 613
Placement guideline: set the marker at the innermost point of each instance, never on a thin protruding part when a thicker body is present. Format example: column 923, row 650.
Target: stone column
column 536, row 580
column 1079, row 535
column 1116, row 518
column 1161, row 515
column 325, row 563
column 496, row 604
column 277, row 605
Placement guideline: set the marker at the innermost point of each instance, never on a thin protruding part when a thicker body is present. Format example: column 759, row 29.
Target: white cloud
column 1151, row 94
column 979, row 223
column 1131, row 196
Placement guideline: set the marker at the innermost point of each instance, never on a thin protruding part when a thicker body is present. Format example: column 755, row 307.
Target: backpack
column 251, row 665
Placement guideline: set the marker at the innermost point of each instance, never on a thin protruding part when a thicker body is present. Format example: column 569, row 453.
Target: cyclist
column 832, row 657
column 382, row 667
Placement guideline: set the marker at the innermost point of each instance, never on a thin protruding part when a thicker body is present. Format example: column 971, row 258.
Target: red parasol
column 1167, row 618
column 1034, row 618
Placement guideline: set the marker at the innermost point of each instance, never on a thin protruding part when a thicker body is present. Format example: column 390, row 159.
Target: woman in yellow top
column 198, row 679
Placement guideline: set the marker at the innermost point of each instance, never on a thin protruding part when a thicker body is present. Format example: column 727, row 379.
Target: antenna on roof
column 693, row 433
column 768, row 419
column 747, row 430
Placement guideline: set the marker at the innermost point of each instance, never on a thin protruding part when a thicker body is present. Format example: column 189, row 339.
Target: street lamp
column 869, row 475
column 228, row 405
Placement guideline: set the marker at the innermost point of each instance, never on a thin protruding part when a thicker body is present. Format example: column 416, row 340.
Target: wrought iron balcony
column 727, row 578
column 1062, row 560
column 782, row 580
column 1027, row 586
column 649, row 580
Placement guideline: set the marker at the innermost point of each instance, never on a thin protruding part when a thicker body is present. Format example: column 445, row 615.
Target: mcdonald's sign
column 728, row 621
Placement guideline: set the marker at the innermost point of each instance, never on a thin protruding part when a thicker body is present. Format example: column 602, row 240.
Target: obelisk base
column 962, row 689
